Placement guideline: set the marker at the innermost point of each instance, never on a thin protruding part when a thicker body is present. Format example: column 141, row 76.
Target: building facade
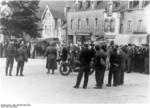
column 128, row 20
column 85, row 21
column 52, row 22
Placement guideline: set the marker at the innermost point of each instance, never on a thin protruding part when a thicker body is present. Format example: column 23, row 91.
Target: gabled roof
column 56, row 7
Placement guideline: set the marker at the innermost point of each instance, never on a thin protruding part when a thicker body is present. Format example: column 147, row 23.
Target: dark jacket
column 115, row 60
column 100, row 59
column 21, row 54
column 64, row 53
column 10, row 51
column 85, row 57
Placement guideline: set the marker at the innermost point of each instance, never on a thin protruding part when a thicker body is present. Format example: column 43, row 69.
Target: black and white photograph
column 74, row 52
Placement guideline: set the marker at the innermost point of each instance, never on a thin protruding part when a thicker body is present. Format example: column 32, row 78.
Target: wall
column 83, row 15
column 134, row 16
column 116, row 17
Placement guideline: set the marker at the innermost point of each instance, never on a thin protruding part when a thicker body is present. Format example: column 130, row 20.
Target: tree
column 23, row 19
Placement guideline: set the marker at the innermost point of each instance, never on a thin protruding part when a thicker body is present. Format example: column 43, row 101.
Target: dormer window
column 87, row 4
column 116, row 4
column 145, row 3
column 133, row 4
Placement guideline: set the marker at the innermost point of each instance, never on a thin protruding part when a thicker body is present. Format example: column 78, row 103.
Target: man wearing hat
column 10, row 55
column 84, row 58
column 21, row 58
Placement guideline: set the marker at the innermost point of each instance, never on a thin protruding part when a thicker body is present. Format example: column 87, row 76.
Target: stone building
column 128, row 20
column 85, row 21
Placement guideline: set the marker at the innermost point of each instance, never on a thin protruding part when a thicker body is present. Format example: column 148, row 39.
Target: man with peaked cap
column 21, row 58
column 10, row 55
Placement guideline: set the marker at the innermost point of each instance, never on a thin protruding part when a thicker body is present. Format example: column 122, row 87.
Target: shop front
column 82, row 38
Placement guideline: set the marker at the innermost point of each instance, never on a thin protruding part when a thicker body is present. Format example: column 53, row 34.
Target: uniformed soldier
column 10, row 55
column 21, row 58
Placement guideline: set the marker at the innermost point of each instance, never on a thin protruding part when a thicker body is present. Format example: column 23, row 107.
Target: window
column 110, row 10
column 71, row 26
column 112, row 25
column 121, row 28
column 145, row 3
column 79, row 23
column 135, row 3
column 87, row 22
column 129, row 25
column 139, row 26
column 87, row 4
column 96, row 21
column 116, row 4
column 106, row 25
column 130, row 4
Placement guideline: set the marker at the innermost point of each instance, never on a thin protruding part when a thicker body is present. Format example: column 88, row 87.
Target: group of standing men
column 19, row 54
column 99, row 57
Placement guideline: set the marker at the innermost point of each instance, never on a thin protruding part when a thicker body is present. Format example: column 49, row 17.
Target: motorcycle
column 66, row 67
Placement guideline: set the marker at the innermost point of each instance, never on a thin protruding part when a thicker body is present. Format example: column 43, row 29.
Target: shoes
column 108, row 85
column 98, row 87
column 115, row 85
column 16, row 74
column 10, row 75
column 84, row 87
column 48, row 72
column 21, row 75
column 75, row 87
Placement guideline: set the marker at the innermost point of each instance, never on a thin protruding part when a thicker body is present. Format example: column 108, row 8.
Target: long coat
column 21, row 54
column 51, row 54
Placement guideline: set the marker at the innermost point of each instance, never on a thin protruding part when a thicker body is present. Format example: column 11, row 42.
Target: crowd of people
column 114, row 58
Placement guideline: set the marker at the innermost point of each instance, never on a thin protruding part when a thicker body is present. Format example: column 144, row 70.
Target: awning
column 83, row 33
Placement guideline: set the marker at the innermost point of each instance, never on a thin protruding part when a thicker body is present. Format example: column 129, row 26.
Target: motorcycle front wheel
column 64, row 69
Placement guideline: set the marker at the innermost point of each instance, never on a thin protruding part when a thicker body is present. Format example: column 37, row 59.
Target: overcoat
column 51, row 54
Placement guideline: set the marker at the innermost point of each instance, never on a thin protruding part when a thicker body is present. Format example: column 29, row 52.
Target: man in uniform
column 21, row 57
column 10, row 55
